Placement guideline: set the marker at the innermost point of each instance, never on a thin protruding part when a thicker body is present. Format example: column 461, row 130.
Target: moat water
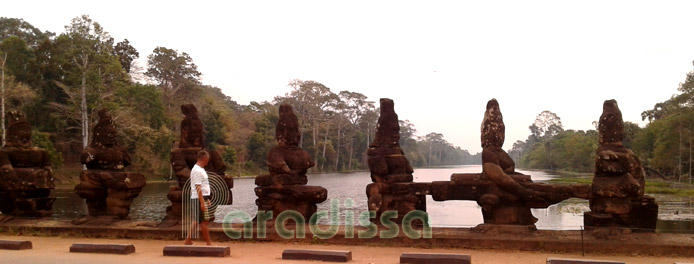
column 675, row 215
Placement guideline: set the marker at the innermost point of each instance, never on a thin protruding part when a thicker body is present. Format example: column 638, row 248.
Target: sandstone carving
column 107, row 187
column 505, row 195
column 391, row 173
column 285, row 187
column 184, row 158
column 26, row 178
column 617, row 192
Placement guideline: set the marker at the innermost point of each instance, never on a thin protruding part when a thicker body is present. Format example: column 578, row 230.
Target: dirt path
column 54, row 250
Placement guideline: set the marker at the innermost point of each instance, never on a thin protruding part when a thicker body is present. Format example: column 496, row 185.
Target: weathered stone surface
column 281, row 179
column 197, row 251
column 580, row 261
column 318, row 255
column 184, row 158
column 434, row 258
column 106, row 187
column 26, row 178
column 192, row 134
column 109, row 192
column 15, row 245
column 617, row 193
column 103, row 248
column 285, row 187
column 391, row 172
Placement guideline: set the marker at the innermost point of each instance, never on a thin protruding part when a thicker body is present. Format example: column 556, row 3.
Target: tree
column 20, row 61
column 126, row 54
column 435, row 142
column 18, row 27
column 547, row 124
column 352, row 106
column 172, row 70
column 313, row 103
column 229, row 155
column 88, row 43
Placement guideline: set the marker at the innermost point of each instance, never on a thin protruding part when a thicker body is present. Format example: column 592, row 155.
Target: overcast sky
column 439, row 60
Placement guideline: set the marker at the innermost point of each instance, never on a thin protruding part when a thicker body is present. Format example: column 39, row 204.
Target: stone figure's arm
column 490, row 166
column 498, row 176
column 276, row 161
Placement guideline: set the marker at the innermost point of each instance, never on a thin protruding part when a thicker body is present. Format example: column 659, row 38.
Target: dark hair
column 202, row 154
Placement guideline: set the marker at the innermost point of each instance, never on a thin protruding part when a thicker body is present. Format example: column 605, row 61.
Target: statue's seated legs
column 109, row 192
column 299, row 198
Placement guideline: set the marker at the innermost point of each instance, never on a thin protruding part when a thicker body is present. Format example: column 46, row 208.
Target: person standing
column 200, row 197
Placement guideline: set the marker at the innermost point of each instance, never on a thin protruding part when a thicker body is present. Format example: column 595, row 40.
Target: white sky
column 439, row 60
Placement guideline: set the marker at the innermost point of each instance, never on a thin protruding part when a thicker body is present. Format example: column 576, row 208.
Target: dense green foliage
column 666, row 143
column 61, row 81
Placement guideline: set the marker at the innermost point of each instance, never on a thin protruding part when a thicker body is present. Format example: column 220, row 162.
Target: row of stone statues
column 616, row 195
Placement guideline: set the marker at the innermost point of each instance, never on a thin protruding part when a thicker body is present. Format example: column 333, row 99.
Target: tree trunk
column 351, row 152
column 365, row 155
column 429, row 159
column 2, row 84
column 679, row 162
column 325, row 143
column 315, row 143
column 337, row 148
column 368, row 134
column 83, row 109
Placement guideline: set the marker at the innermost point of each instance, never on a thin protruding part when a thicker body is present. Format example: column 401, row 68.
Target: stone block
column 434, row 258
column 197, row 251
column 103, row 248
column 15, row 245
column 580, row 261
column 319, row 255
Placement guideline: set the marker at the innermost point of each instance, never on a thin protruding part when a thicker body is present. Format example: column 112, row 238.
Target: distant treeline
column 665, row 144
column 60, row 80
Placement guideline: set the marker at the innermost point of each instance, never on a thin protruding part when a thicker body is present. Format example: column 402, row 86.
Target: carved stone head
column 18, row 130
column 388, row 128
column 104, row 131
column 287, row 130
column 611, row 126
column 192, row 134
column 493, row 131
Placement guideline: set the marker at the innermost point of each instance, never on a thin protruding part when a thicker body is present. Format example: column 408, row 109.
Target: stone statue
column 287, row 157
column 498, row 167
column 505, row 195
column 184, row 158
column 192, row 134
column 26, row 178
column 285, row 187
column 617, row 193
column 109, row 190
column 391, row 172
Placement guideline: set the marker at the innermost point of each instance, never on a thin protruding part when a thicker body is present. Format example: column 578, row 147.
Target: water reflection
column 567, row 215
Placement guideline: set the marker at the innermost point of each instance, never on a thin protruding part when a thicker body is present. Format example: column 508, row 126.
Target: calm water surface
column 568, row 215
